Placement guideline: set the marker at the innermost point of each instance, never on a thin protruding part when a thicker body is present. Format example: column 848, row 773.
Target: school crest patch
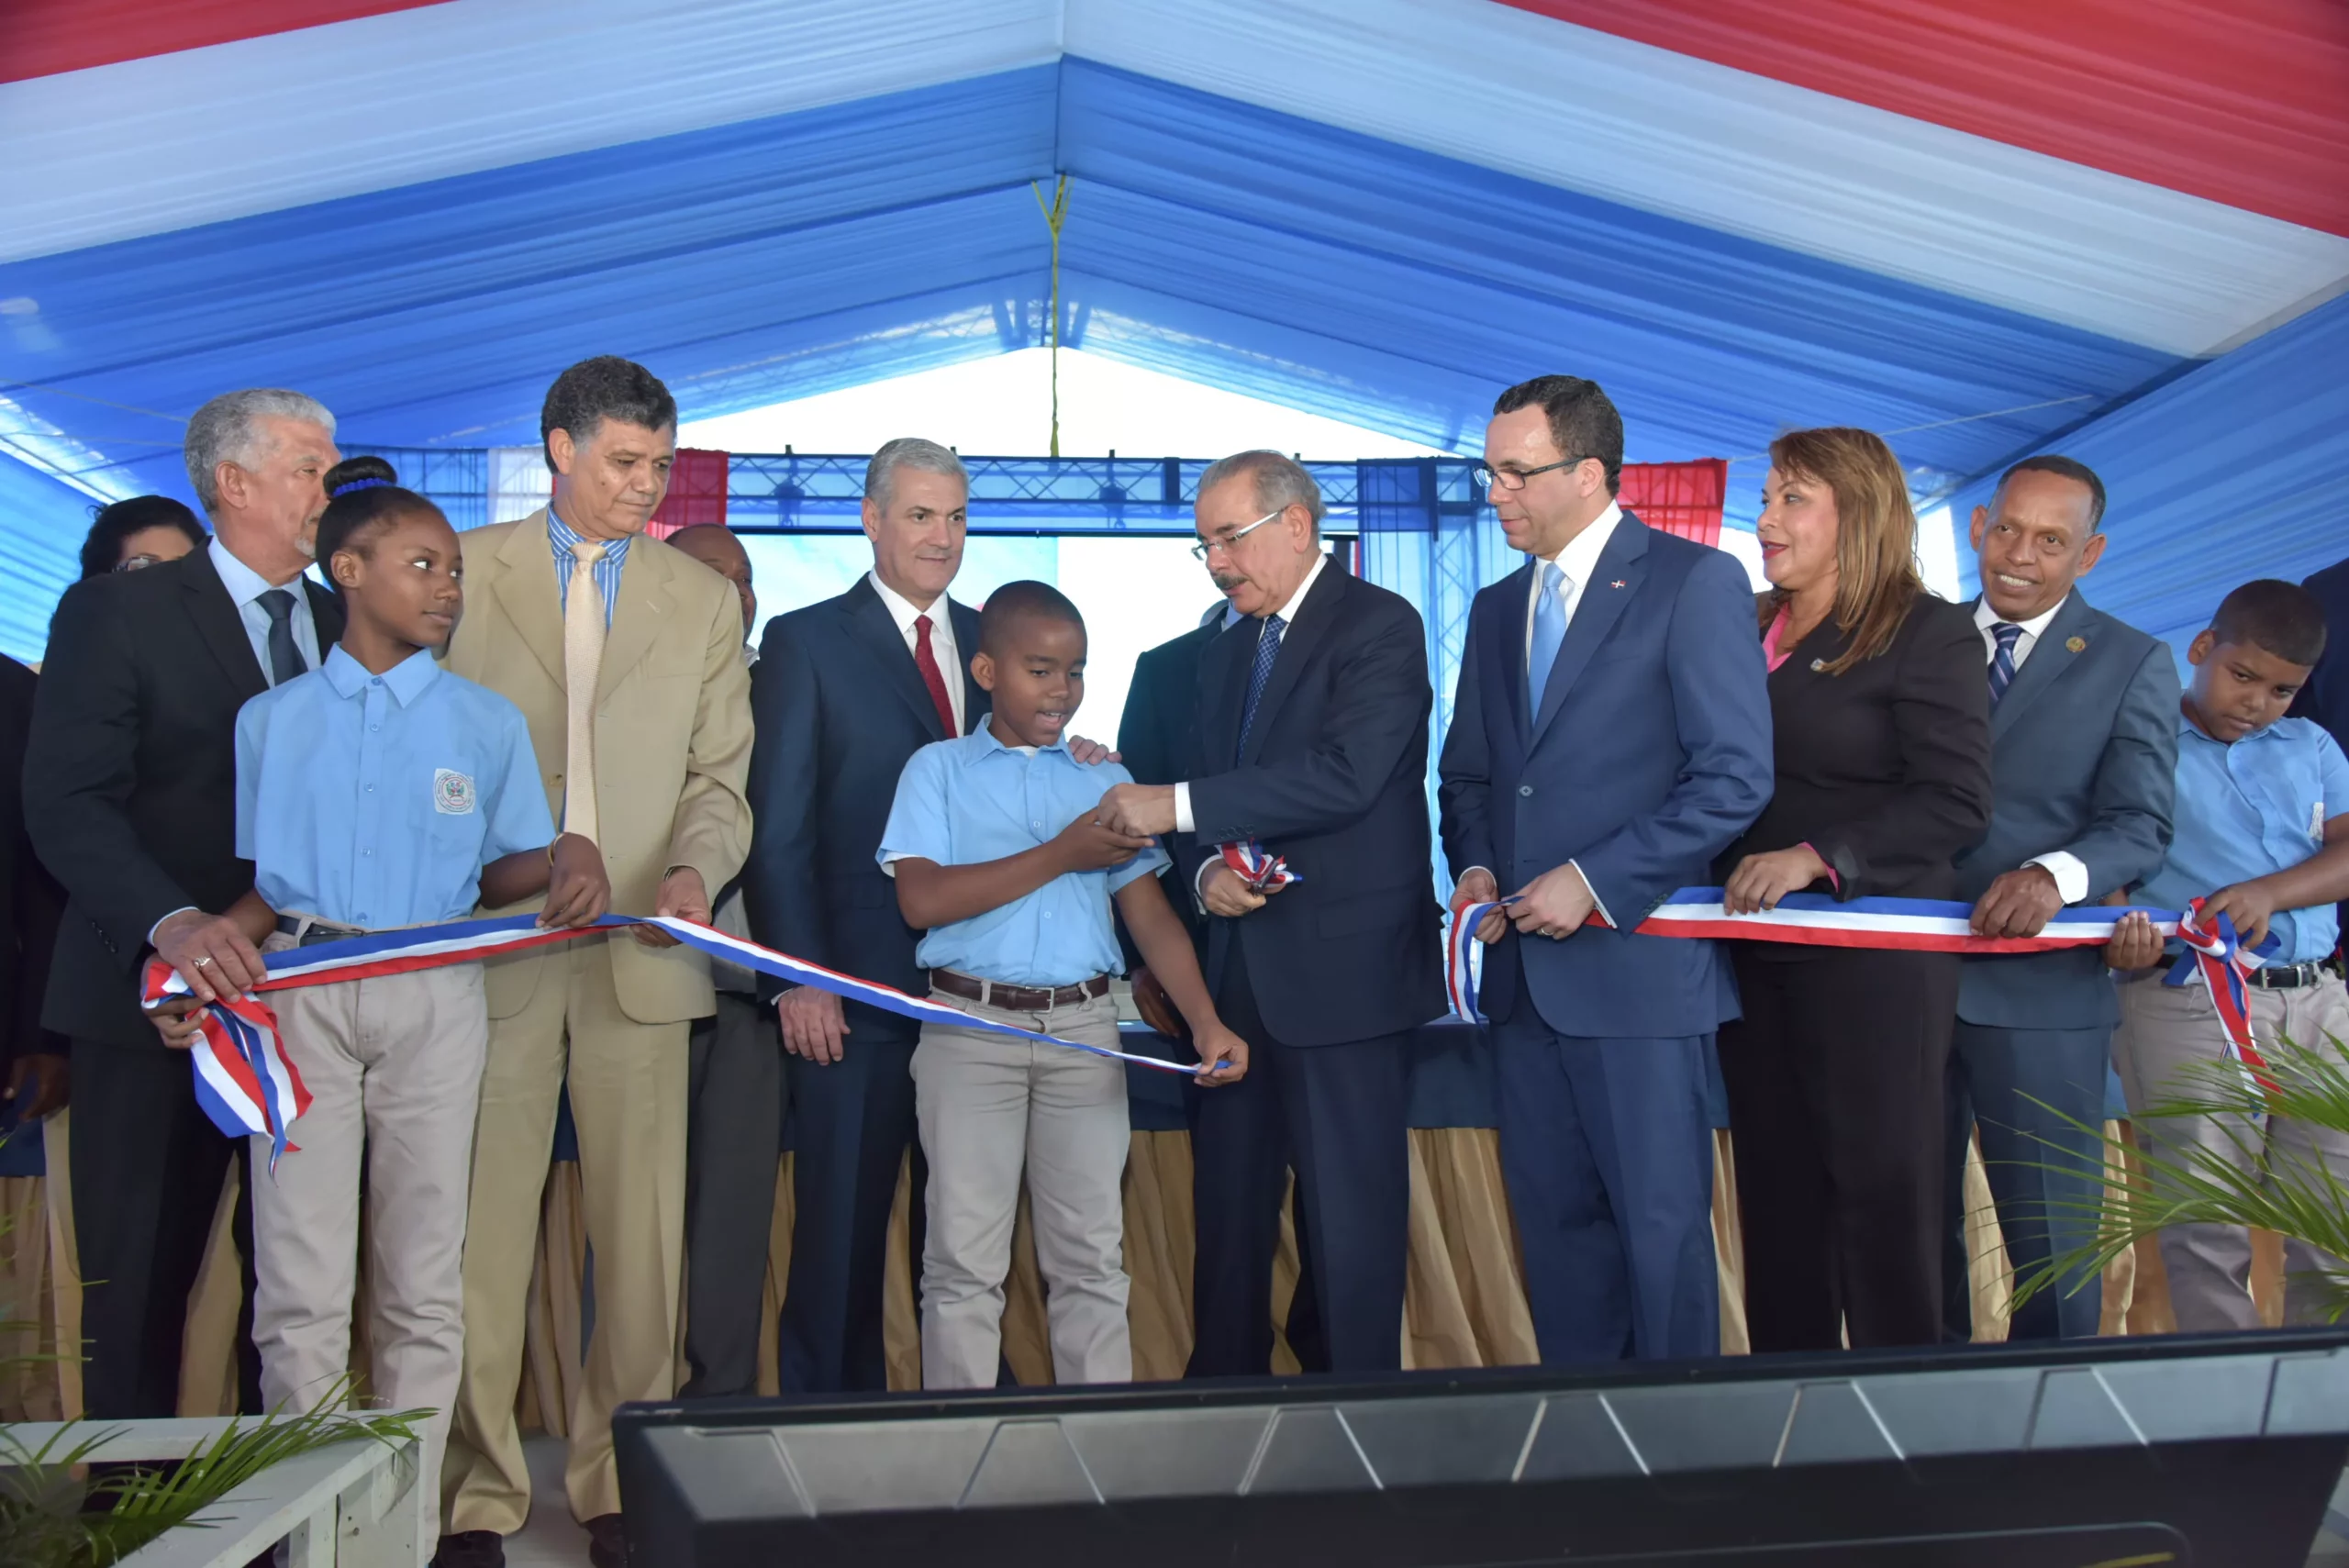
column 452, row 793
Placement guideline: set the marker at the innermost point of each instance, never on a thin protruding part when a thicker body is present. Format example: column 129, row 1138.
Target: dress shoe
column 607, row 1541
column 471, row 1549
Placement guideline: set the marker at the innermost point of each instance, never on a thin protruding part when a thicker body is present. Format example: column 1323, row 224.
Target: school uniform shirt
column 972, row 800
column 2248, row 809
column 375, row 801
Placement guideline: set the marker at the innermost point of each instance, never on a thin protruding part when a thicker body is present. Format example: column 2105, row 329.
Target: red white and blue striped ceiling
column 1972, row 222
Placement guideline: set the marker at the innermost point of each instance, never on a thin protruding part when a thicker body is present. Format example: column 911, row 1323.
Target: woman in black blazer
column 1834, row 1073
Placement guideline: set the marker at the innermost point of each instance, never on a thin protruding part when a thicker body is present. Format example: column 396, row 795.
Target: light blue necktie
column 2002, row 662
column 1268, row 648
column 1549, row 630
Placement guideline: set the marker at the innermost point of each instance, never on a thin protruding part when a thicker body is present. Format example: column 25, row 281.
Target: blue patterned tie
column 1549, row 630
column 1268, row 648
column 2002, row 662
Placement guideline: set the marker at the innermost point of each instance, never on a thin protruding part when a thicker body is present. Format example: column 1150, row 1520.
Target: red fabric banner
column 696, row 493
column 2245, row 102
column 1682, row 499
column 45, row 36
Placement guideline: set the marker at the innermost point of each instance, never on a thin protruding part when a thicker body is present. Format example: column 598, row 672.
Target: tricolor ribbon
column 1811, row 919
column 249, row 1086
column 2215, row 956
column 244, row 1080
column 1263, row 871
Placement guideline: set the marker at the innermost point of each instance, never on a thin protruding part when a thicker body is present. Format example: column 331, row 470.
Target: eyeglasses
column 1225, row 542
column 1493, row 478
column 138, row 562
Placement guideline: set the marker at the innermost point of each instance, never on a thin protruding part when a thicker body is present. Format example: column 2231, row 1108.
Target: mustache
column 1226, row 581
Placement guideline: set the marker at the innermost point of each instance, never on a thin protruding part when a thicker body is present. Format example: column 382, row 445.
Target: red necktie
column 931, row 676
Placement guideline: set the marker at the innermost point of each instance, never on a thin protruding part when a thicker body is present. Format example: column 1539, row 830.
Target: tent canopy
column 1969, row 226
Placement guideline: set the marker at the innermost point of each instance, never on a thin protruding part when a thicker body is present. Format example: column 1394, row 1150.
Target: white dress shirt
column 2070, row 873
column 942, row 640
column 1288, row 613
column 245, row 587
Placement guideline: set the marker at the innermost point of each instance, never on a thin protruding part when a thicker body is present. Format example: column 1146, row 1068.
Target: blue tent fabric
column 781, row 256
column 2236, row 470
column 43, row 523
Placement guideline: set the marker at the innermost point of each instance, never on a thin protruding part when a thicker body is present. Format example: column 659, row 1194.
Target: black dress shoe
column 607, row 1541
column 471, row 1549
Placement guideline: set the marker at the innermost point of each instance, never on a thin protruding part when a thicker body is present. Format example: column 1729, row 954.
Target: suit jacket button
column 1525, row 789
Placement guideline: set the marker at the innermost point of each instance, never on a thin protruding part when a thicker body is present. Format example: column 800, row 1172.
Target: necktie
column 285, row 654
column 1549, row 630
column 1268, row 649
column 2002, row 662
column 582, row 667
column 926, row 661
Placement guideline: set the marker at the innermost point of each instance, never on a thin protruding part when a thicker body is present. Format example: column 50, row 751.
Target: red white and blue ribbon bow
column 2216, row 957
column 1263, row 871
column 249, row 1086
column 1810, row 919
column 244, row 1080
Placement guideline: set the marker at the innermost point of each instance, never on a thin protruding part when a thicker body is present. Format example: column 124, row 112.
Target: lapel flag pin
column 1817, row 665
column 1618, row 582
column 2075, row 644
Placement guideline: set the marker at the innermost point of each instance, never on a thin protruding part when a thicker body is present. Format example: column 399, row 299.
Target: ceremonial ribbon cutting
column 1263, row 871
column 2215, row 956
column 248, row 1086
column 1813, row 920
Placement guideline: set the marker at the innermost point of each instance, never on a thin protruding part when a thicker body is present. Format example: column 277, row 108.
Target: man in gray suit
column 2083, row 748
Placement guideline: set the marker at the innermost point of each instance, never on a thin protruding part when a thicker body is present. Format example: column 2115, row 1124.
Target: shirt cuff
column 1199, row 878
column 1596, row 902
column 1183, row 809
column 159, row 925
column 2071, row 874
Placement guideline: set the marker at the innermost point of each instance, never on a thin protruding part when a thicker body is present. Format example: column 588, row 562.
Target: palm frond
column 2244, row 1178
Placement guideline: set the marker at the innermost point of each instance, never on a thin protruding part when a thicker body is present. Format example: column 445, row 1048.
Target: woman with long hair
column 1883, row 750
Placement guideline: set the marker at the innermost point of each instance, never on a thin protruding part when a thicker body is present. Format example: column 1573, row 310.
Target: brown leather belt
column 1016, row 998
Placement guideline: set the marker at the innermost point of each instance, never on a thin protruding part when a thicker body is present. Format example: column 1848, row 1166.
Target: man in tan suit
column 625, row 656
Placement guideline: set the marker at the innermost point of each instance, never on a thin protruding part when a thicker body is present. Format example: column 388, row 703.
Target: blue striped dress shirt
column 566, row 539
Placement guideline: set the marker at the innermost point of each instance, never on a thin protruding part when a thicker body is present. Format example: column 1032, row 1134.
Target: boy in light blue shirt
column 999, row 857
column 2263, row 836
column 375, row 792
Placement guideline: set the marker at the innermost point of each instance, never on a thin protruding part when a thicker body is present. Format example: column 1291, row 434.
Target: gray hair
column 228, row 429
column 909, row 452
column 1280, row 481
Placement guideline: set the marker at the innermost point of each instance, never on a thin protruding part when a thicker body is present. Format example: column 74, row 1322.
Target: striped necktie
column 1268, row 649
column 2002, row 662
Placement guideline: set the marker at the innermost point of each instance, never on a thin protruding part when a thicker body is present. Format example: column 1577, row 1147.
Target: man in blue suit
column 1610, row 736
column 2325, row 698
column 2084, row 755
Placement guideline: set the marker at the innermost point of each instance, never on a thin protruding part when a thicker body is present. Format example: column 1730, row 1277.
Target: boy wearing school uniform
column 2263, row 835
column 377, row 792
column 998, row 854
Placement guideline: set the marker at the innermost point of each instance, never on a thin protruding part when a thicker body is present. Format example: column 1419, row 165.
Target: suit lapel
column 1222, row 690
column 326, row 614
column 1504, row 653
column 647, row 605
column 220, row 627
column 1316, row 618
column 1612, row 582
column 878, row 629
column 977, row 699
column 524, row 586
column 2049, row 656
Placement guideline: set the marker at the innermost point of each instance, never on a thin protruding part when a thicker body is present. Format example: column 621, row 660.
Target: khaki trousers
column 627, row 1103
column 2163, row 1029
column 394, row 1068
column 990, row 1107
